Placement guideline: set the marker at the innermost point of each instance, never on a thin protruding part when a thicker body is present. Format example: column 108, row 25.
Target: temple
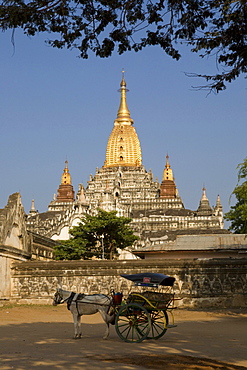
column 124, row 185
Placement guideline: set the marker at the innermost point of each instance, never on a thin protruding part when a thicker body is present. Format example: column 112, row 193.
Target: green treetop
column 97, row 236
column 238, row 213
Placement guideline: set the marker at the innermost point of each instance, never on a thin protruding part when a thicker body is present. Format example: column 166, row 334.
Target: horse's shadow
column 45, row 345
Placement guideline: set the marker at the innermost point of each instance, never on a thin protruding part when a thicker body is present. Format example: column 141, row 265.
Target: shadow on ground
column 49, row 345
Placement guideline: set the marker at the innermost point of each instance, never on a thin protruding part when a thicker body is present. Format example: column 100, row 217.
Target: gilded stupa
column 122, row 180
column 168, row 188
column 123, row 148
column 65, row 191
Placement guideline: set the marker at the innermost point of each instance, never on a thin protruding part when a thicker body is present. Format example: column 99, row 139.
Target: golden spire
column 123, row 115
column 167, row 174
column 66, row 178
column 123, row 148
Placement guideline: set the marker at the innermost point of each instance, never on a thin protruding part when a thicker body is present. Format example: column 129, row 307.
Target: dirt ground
column 40, row 338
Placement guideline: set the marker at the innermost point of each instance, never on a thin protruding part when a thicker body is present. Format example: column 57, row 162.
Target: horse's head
column 58, row 297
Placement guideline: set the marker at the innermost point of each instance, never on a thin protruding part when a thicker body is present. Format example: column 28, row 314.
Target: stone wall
column 13, row 231
column 17, row 243
column 199, row 283
column 5, row 278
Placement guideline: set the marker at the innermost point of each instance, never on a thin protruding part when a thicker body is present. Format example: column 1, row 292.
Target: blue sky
column 55, row 105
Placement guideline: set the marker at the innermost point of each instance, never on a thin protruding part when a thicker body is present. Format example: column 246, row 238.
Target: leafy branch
column 215, row 28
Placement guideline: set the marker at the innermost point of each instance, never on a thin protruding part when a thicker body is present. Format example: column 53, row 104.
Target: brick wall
column 199, row 283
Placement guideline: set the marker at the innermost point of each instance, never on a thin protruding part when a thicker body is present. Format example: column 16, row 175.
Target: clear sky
column 56, row 106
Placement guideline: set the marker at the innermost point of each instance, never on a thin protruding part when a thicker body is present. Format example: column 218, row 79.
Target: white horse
column 81, row 304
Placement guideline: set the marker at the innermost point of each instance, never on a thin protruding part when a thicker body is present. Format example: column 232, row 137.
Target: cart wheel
column 159, row 322
column 133, row 323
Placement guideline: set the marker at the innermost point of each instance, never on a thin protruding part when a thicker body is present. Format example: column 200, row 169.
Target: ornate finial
column 123, row 115
column 123, row 83
column 66, row 166
column 167, row 173
column 218, row 204
column 218, row 201
column 66, row 179
column 204, row 196
column 33, row 211
column 167, row 161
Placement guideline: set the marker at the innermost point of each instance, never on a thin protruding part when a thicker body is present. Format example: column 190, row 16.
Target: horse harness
column 74, row 297
column 77, row 298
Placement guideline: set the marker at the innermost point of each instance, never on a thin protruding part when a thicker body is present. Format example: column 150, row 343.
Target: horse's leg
column 77, row 322
column 107, row 319
column 79, row 325
column 103, row 314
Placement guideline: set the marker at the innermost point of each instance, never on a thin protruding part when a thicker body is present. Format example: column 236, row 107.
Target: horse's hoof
column 77, row 337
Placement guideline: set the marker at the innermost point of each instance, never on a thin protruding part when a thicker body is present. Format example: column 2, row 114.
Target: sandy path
column 40, row 338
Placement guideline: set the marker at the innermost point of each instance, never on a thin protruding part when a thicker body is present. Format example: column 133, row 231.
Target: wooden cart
column 144, row 313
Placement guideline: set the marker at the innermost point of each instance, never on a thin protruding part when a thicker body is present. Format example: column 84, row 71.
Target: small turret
column 33, row 211
column 204, row 208
column 65, row 192
column 218, row 203
column 218, row 209
column 168, row 187
column 66, row 178
column 81, row 195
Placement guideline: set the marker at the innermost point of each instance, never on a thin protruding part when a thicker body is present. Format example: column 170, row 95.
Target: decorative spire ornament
column 123, row 115
column 123, row 147
column 66, row 178
column 65, row 191
column 168, row 187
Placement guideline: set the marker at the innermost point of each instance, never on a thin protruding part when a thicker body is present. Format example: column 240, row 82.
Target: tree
column 97, row 236
column 215, row 27
column 238, row 213
column 72, row 249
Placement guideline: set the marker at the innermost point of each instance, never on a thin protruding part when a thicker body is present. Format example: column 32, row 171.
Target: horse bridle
column 58, row 295
column 59, row 299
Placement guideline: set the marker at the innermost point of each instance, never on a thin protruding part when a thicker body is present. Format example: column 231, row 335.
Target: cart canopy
column 150, row 279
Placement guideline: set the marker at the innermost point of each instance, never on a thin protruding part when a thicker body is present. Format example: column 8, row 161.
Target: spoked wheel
column 133, row 323
column 159, row 322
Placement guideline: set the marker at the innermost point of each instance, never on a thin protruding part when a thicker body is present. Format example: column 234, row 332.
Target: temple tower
column 65, row 194
column 122, row 180
column 168, row 188
column 123, row 148
column 204, row 208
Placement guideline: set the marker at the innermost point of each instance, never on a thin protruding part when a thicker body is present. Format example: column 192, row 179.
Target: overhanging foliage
column 212, row 27
column 238, row 213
